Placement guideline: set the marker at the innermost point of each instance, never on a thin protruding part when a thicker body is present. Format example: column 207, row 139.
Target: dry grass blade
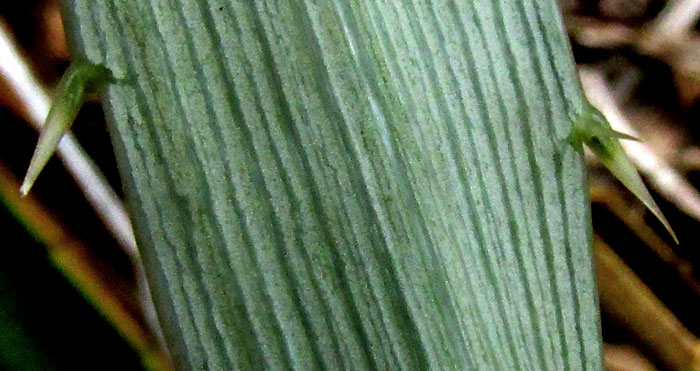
column 625, row 358
column 36, row 102
column 34, row 105
column 71, row 258
column 630, row 303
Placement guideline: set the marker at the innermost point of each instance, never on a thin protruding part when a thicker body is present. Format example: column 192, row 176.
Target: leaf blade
column 348, row 190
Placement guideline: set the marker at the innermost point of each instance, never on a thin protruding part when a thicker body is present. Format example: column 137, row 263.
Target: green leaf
column 353, row 184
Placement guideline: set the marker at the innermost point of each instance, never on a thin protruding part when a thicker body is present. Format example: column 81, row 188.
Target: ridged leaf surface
column 353, row 184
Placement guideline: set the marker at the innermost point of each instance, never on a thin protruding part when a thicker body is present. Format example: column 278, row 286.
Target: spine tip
column 24, row 189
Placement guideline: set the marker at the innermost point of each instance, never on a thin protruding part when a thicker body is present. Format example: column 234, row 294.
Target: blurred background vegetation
column 70, row 296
